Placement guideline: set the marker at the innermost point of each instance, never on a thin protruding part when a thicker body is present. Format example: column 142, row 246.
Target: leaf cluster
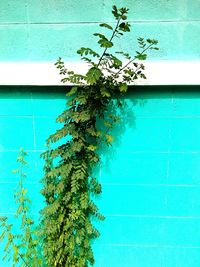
column 23, row 249
column 69, row 186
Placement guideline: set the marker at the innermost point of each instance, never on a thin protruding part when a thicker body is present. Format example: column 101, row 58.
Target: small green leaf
column 105, row 92
column 115, row 12
column 105, row 25
column 141, row 56
column 152, row 41
column 123, row 87
column 85, row 51
column 124, row 17
column 100, row 35
column 93, row 75
column 109, row 138
column 92, row 148
column 72, row 91
column 103, row 41
column 125, row 27
column 126, row 55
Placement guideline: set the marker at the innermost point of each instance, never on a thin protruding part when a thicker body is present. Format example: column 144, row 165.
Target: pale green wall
column 43, row 30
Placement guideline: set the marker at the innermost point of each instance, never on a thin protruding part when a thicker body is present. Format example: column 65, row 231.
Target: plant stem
column 113, row 34
column 26, row 264
column 131, row 61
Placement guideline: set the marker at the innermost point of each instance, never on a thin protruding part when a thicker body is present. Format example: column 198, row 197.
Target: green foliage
column 23, row 248
column 69, row 185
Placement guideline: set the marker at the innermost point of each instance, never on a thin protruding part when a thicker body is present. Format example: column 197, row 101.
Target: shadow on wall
column 126, row 120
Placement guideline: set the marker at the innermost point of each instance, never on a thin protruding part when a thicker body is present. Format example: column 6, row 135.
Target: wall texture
column 27, row 118
column 151, row 185
column 44, row 30
column 151, row 175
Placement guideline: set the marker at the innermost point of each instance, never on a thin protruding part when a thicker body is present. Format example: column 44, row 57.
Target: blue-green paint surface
column 150, row 176
column 45, row 30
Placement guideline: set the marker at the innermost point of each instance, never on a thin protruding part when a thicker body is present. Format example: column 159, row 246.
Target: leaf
column 100, row 35
column 105, row 92
column 125, row 27
column 124, row 17
column 105, row 25
column 123, row 10
column 152, row 41
column 123, row 87
column 115, row 12
column 85, row 51
column 141, row 56
column 93, row 75
column 72, row 91
column 109, row 138
column 117, row 63
column 126, row 55
column 81, row 116
column 103, row 41
column 92, row 147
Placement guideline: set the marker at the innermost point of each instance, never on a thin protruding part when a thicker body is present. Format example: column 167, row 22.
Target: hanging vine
column 69, row 185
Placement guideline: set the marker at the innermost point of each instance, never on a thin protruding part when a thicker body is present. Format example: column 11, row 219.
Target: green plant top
column 69, row 185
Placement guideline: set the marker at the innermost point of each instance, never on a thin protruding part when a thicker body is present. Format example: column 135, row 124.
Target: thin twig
column 113, row 34
column 131, row 61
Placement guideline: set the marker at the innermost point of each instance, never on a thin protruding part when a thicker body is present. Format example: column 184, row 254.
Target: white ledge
column 45, row 73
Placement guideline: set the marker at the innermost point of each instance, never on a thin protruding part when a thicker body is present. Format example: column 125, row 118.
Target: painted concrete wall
column 151, row 186
column 44, row 30
column 150, row 176
column 27, row 118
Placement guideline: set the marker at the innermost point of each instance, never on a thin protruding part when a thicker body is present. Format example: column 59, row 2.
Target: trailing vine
column 22, row 247
column 69, row 185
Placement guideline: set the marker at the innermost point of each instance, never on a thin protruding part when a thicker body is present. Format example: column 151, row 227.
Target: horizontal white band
column 45, row 73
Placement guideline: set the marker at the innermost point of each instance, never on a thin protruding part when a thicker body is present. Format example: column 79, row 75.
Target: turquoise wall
column 151, row 185
column 27, row 118
column 150, row 176
column 44, row 30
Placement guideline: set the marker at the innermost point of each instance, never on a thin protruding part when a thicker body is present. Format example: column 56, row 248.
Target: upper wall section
column 43, row 30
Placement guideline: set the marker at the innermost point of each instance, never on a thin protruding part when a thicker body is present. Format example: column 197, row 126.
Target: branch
column 113, row 34
column 131, row 61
